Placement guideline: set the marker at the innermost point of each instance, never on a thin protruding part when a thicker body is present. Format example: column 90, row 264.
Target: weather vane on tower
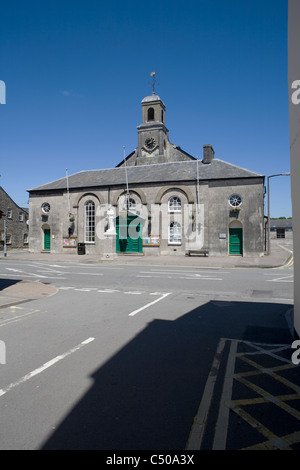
column 153, row 82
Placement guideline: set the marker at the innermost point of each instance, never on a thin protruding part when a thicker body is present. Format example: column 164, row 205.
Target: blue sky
column 76, row 72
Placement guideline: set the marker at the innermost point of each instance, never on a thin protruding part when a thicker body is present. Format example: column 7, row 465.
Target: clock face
column 150, row 143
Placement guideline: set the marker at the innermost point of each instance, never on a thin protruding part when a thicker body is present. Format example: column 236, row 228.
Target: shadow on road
column 147, row 395
column 4, row 283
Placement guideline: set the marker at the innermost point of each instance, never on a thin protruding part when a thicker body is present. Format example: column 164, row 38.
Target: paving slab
column 16, row 292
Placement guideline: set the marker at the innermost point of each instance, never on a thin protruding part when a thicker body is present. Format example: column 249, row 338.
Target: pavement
column 279, row 256
column 251, row 398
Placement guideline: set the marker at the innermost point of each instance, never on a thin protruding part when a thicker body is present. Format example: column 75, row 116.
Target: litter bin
column 81, row 248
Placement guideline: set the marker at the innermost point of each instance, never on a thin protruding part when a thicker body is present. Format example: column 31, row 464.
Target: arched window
column 175, row 233
column 174, row 204
column 89, row 212
column 150, row 114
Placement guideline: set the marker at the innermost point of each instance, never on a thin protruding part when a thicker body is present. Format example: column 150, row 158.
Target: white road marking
column 200, row 420
column 51, row 271
column 66, row 288
column 95, row 267
column 19, row 317
column 188, row 278
column 24, row 273
column 38, row 276
column 45, row 366
column 201, row 278
column 15, row 270
column 170, row 271
column 90, row 274
column 149, row 305
column 282, row 279
column 86, row 289
column 221, row 426
column 134, row 292
column 275, row 273
column 108, row 291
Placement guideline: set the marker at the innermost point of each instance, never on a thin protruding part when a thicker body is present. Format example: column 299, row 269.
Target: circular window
column 45, row 207
column 129, row 204
column 235, row 200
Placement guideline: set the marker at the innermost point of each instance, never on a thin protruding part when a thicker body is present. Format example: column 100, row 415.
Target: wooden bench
column 201, row 251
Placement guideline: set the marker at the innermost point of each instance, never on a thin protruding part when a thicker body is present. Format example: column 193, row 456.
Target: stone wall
column 16, row 222
column 205, row 217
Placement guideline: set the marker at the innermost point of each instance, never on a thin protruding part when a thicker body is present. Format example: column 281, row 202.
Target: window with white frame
column 235, row 200
column 25, row 239
column 174, row 204
column 9, row 213
column 89, row 212
column 175, row 233
column 21, row 217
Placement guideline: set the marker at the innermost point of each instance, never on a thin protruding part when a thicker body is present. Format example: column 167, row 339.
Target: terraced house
column 159, row 200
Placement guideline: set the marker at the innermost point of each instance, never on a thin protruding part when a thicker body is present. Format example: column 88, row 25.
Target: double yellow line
column 290, row 261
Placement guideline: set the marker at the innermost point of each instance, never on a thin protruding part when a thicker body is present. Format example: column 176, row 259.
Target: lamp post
column 268, row 190
column 5, row 248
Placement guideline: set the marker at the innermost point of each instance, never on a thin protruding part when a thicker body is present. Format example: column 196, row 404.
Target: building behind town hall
column 159, row 200
column 13, row 223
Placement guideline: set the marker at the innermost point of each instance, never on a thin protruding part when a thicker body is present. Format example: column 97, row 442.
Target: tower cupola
column 152, row 133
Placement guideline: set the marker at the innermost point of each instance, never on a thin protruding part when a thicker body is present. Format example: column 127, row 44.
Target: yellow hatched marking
column 291, row 439
column 270, row 371
column 257, row 401
column 271, row 398
column 273, row 441
column 278, row 443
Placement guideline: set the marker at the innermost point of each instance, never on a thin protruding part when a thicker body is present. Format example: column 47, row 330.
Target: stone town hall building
column 159, row 200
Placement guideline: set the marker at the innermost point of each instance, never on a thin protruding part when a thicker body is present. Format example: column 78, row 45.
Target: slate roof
column 281, row 223
column 157, row 173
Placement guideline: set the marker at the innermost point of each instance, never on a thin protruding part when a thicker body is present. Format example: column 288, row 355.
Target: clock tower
column 153, row 137
column 152, row 133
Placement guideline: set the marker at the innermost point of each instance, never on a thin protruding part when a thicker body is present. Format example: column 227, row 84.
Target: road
column 118, row 357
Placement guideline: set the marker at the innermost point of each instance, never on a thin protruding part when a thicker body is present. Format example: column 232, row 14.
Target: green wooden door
column 129, row 234
column 235, row 241
column 46, row 239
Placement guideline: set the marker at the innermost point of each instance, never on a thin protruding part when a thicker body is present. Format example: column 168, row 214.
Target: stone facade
column 16, row 219
column 164, row 202
column 281, row 228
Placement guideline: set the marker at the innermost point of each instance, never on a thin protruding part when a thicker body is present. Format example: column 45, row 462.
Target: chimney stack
column 208, row 153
